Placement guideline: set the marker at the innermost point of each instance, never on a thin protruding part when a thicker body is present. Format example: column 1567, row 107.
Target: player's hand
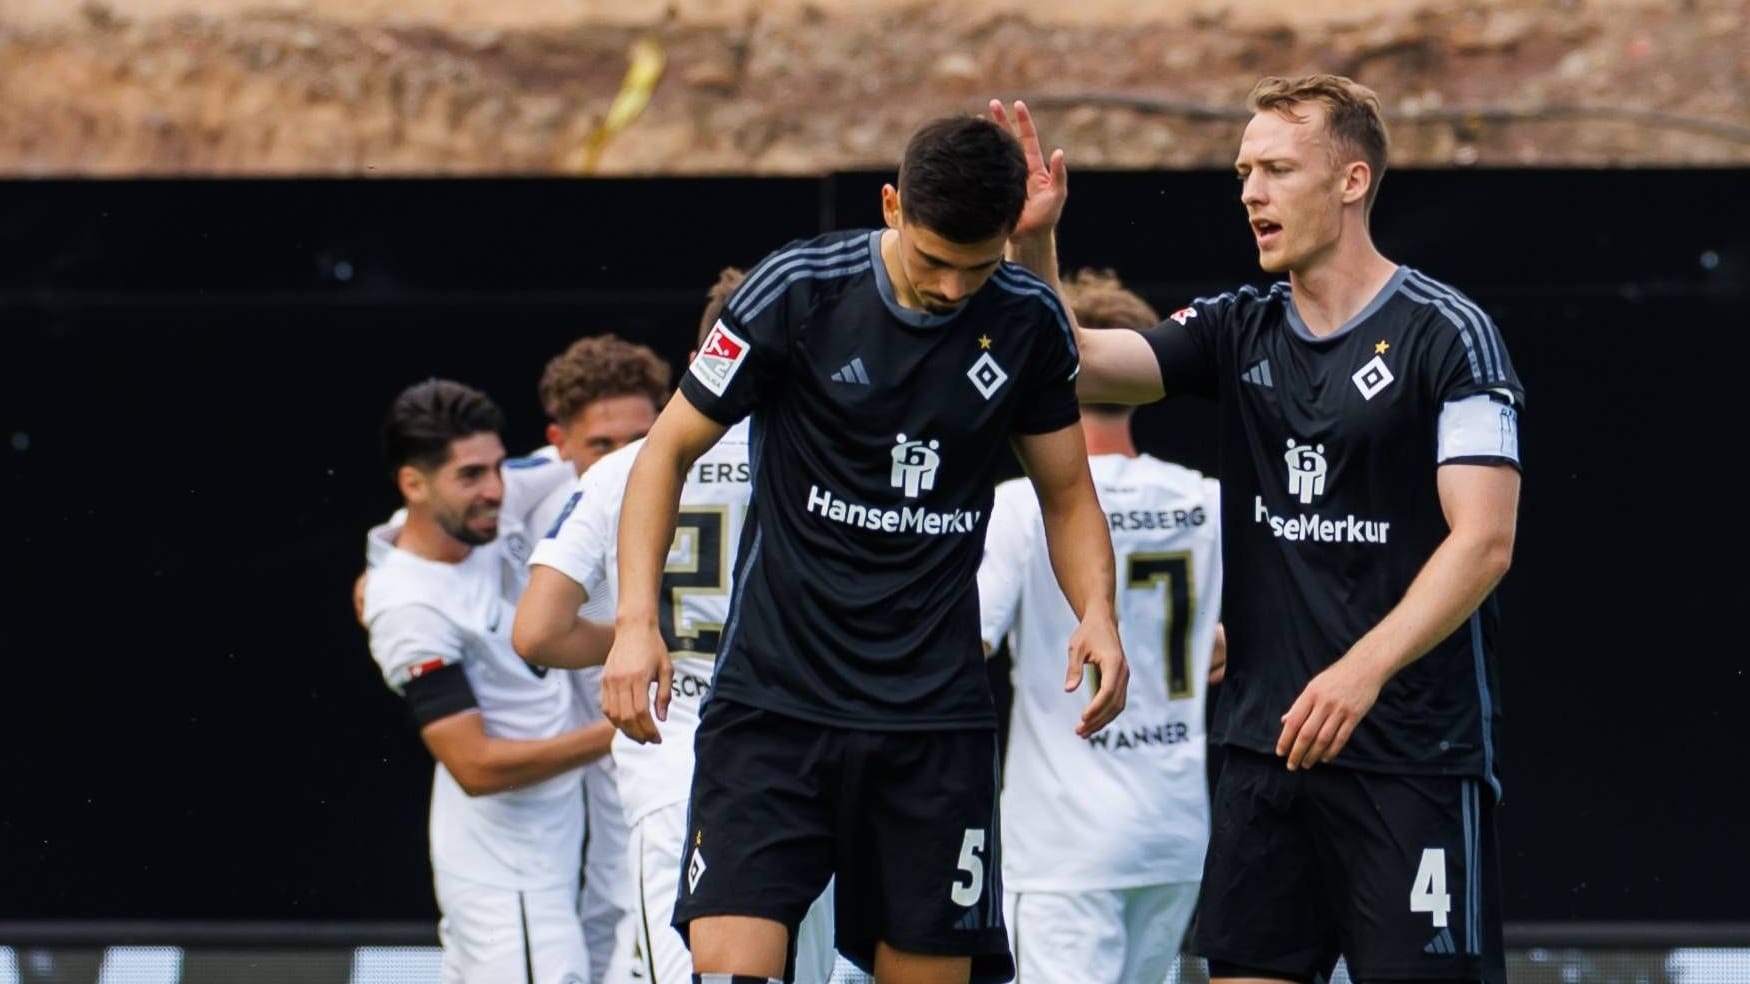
column 1095, row 643
column 638, row 659
column 1047, row 181
column 1319, row 724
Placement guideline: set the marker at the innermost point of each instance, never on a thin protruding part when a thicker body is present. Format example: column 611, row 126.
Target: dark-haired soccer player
column 850, row 727
column 507, row 810
column 1369, row 429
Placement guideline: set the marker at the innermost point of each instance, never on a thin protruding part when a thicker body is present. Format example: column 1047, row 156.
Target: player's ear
column 1357, row 178
column 412, row 483
column 890, row 205
column 556, row 437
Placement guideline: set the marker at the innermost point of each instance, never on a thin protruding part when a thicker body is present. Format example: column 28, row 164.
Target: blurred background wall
column 227, row 87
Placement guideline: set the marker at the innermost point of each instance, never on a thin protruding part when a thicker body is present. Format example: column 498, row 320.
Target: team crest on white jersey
column 719, row 358
column 914, row 466
column 1306, row 470
column 1373, row 377
column 987, row 377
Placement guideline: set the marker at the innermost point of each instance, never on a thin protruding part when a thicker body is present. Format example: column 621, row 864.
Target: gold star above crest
column 984, row 341
column 1380, row 347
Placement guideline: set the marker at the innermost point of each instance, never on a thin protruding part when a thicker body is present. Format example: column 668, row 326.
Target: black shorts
column 907, row 821
column 1398, row 873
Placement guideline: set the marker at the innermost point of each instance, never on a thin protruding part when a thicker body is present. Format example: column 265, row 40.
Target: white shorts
column 606, row 901
column 1127, row 936
column 503, row 936
column 656, row 858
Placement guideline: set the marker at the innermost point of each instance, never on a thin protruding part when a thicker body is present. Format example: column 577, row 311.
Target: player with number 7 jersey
column 655, row 778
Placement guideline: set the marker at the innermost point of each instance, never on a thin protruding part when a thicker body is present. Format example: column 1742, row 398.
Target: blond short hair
column 1352, row 113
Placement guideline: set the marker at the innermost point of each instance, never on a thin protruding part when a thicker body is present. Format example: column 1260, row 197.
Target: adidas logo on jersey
column 1259, row 375
column 1441, row 944
column 852, row 372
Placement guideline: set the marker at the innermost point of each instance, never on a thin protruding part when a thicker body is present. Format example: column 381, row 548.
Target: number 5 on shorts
column 973, row 867
column 1429, row 894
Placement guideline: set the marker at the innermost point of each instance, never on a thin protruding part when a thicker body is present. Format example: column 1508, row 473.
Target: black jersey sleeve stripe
column 1488, row 338
column 1485, row 324
column 1463, row 326
column 783, row 262
column 805, row 272
column 1019, row 280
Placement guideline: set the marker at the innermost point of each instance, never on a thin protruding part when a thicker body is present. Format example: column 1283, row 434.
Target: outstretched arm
column 1080, row 545
column 1117, row 366
column 653, row 492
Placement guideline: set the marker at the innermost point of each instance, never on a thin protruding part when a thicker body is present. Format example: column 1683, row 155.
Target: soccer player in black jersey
column 1368, row 428
column 850, row 728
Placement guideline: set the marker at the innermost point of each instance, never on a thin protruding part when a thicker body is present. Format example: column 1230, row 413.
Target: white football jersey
column 693, row 604
column 1130, row 806
column 425, row 614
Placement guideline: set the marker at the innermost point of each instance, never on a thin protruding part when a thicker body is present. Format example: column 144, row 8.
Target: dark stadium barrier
column 406, row 953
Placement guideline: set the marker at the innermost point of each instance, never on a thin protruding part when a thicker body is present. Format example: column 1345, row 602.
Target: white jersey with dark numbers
column 425, row 615
column 1138, row 789
column 693, row 604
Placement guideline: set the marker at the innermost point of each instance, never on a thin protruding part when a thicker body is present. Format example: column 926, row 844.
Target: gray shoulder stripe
column 805, row 273
column 1464, row 332
column 1026, row 280
column 1488, row 335
column 781, row 263
column 1051, row 304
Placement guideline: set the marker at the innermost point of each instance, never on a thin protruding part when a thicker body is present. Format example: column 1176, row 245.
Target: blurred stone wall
column 274, row 87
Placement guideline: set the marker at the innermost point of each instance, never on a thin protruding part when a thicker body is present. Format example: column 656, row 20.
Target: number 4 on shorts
column 1429, row 894
column 973, row 867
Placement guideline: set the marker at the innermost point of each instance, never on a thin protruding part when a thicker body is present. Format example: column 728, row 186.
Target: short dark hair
column 728, row 279
column 597, row 367
column 426, row 418
column 963, row 178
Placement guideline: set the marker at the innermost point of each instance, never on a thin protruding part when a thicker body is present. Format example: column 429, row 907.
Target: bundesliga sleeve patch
column 719, row 358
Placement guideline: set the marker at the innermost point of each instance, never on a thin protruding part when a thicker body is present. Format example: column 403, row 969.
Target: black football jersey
column 1329, row 449
column 877, row 434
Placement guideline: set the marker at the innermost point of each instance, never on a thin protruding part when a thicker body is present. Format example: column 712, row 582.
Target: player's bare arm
column 639, row 656
column 1481, row 503
column 1218, row 659
column 548, row 631
column 1117, row 366
column 1080, row 544
column 483, row 765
